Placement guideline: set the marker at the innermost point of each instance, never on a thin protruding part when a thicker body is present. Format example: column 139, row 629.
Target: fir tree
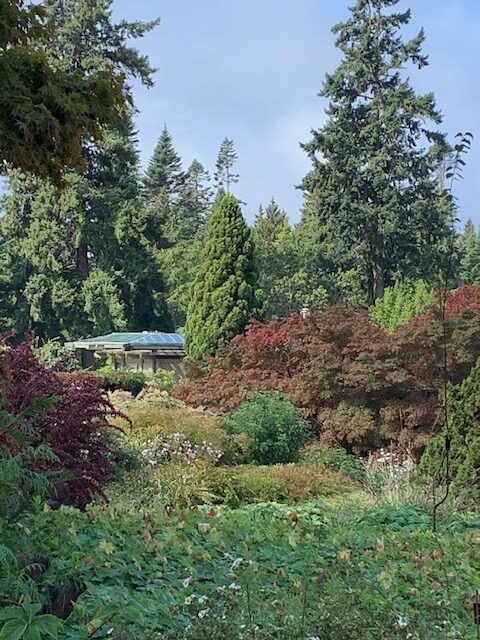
column 164, row 170
column 190, row 212
column 271, row 224
column 373, row 184
column 223, row 294
column 224, row 176
column 470, row 255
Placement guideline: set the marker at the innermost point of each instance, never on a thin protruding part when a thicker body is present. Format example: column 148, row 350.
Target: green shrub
column 162, row 380
column 336, row 458
column 57, row 356
column 274, row 427
column 461, row 468
column 131, row 381
column 401, row 303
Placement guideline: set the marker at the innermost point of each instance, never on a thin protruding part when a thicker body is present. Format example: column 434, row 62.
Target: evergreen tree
column 373, row 184
column 271, row 224
column 164, row 170
column 470, row 255
column 49, row 106
column 86, row 260
column 224, row 176
column 223, row 294
column 190, row 212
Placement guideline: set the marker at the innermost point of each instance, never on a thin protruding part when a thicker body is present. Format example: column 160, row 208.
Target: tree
column 223, row 293
column 374, row 184
column 189, row 214
column 271, row 224
column 79, row 259
column 224, row 176
column 470, row 255
column 401, row 303
column 49, row 108
column 164, row 170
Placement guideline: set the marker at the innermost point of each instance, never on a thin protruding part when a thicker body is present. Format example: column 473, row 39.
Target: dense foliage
column 452, row 458
column 274, row 429
column 75, row 428
column 401, row 303
column 373, row 186
column 223, row 296
column 362, row 386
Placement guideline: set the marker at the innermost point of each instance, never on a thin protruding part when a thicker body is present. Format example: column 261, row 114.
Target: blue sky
column 252, row 69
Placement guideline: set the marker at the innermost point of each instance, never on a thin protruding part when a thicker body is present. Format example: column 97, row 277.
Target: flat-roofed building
column 146, row 351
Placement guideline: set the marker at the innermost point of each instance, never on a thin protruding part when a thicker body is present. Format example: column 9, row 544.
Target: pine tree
column 164, row 169
column 373, row 184
column 223, row 294
column 224, row 176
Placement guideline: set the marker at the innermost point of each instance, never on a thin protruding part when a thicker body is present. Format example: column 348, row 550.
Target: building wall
column 148, row 364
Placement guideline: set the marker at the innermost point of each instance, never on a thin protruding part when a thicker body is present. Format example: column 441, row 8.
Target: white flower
column 202, row 613
column 187, row 582
column 402, row 622
column 234, row 586
column 202, row 599
column 236, row 563
column 189, row 599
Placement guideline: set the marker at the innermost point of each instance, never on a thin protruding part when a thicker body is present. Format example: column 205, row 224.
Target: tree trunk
column 378, row 280
column 82, row 260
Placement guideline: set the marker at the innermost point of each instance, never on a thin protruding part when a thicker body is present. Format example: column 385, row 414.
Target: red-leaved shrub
column 362, row 387
column 76, row 428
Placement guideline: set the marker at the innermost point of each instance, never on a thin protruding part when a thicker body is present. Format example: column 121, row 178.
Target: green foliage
column 401, row 303
column 164, row 170
column 335, row 458
column 374, row 185
column 274, row 428
column 57, row 356
column 224, row 176
column 223, row 293
column 470, row 255
column 162, row 380
column 453, row 457
column 27, row 623
column 131, row 381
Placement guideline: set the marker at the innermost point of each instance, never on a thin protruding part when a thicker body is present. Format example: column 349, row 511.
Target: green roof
column 131, row 340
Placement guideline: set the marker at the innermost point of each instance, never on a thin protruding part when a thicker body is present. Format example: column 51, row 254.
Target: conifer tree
column 190, row 212
column 224, row 176
column 271, row 224
column 223, row 294
column 470, row 255
column 373, row 185
column 164, row 170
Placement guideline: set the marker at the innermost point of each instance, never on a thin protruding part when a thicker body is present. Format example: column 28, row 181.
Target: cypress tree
column 374, row 184
column 223, row 293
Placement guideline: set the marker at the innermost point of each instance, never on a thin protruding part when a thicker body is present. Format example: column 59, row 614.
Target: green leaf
column 13, row 630
column 50, row 625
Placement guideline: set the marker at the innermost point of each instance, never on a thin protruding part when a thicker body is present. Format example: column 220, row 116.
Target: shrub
column 131, row 381
column 401, row 303
column 76, row 427
column 335, row 458
column 461, row 467
column 361, row 386
column 275, row 430
column 57, row 356
column 162, row 380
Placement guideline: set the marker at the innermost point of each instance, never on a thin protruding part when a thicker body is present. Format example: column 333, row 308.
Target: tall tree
column 86, row 258
column 227, row 157
column 223, row 294
column 271, row 224
column 373, row 183
column 164, row 170
column 470, row 254
column 189, row 213
column 48, row 107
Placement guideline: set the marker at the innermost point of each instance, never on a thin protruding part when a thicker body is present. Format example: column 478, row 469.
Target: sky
column 252, row 70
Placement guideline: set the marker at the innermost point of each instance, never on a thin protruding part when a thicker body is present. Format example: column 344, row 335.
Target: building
column 145, row 351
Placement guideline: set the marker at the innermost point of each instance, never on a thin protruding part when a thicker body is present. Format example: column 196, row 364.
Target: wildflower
column 187, row 582
column 234, row 586
column 189, row 599
column 236, row 563
column 402, row 622
column 202, row 599
column 202, row 613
